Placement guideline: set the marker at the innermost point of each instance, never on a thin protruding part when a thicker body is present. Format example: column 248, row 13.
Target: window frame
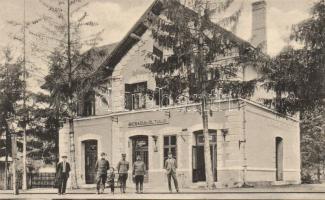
column 169, row 146
column 134, row 96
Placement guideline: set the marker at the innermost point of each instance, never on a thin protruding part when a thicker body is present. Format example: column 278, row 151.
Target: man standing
column 170, row 166
column 62, row 174
column 139, row 170
column 102, row 165
column 122, row 169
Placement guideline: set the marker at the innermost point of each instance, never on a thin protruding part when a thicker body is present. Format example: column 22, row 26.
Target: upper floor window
column 86, row 105
column 161, row 96
column 135, row 96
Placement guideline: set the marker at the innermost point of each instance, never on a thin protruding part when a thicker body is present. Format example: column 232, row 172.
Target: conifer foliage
column 198, row 58
column 61, row 42
column 182, row 34
column 297, row 75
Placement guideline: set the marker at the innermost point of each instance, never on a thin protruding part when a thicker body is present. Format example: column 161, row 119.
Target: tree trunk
column 57, row 152
column 318, row 173
column 14, row 164
column 74, row 182
column 207, row 153
column 8, row 141
column 24, row 181
column 205, row 120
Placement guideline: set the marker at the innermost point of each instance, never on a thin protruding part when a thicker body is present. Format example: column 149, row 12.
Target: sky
column 116, row 17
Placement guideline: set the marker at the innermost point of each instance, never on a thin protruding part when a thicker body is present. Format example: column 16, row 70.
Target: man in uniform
column 102, row 165
column 62, row 174
column 170, row 166
column 123, row 168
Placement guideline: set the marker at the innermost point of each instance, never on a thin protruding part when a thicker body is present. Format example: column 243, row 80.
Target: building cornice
column 122, row 113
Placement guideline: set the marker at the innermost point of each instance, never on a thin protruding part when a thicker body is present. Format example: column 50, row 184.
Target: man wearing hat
column 123, row 168
column 170, row 166
column 102, row 165
column 62, row 174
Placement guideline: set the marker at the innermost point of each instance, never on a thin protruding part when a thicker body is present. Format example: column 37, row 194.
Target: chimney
column 259, row 25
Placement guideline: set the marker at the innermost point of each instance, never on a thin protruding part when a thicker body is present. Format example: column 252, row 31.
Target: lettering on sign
column 147, row 123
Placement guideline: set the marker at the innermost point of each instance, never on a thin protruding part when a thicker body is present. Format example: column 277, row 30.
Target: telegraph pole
column 24, row 183
column 205, row 119
column 74, row 180
column 14, row 164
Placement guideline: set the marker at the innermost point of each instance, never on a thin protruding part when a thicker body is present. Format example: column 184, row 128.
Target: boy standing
column 122, row 169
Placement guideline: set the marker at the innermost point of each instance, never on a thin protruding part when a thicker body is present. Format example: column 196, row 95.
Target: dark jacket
column 139, row 168
column 170, row 165
column 59, row 169
column 102, row 165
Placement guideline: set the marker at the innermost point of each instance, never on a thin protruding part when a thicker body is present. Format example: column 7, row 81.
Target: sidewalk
column 315, row 191
column 303, row 188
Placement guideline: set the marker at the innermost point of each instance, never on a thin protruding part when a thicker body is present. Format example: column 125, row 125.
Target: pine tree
column 20, row 35
column 297, row 75
column 195, row 47
column 68, row 79
column 11, row 93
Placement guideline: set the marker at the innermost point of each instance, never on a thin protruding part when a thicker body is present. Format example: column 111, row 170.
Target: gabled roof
column 97, row 55
column 138, row 29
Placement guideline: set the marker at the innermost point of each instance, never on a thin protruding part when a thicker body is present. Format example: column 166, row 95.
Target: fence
column 8, row 181
column 42, row 180
column 34, row 180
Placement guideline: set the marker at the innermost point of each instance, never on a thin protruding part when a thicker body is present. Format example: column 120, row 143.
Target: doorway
column 279, row 158
column 90, row 161
column 198, row 163
column 140, row 148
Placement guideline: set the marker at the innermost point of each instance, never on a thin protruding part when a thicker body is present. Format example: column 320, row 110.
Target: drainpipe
column 242, row 143
column 244, row 146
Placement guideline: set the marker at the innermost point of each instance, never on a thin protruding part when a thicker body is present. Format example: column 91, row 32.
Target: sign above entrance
column 142, row 123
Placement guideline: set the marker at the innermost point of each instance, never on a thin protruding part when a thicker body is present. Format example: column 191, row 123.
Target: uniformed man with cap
column 62, row 174
column 102, row 165
column 123, row 168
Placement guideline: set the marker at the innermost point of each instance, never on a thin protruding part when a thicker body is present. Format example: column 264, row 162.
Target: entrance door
column 199, row 163
column 140, row 148
column 199, row 168
column 90, row 161
column 279, row 158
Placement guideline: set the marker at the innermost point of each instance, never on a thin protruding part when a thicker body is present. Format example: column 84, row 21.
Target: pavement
column 313, row 191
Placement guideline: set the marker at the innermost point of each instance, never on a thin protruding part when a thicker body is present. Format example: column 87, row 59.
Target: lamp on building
column 224, row 133
column 155, row 138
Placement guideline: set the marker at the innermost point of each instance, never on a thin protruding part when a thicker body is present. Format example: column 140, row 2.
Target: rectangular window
column 135, row 96
column 170, row 144
column 161, row 96
column 86, row 105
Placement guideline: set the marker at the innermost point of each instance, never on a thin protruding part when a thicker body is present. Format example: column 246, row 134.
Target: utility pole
column 6, row 160
column 7, row 140
column 14, row 164
column 205, row 119
column 74, row 182
column 24, row 183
